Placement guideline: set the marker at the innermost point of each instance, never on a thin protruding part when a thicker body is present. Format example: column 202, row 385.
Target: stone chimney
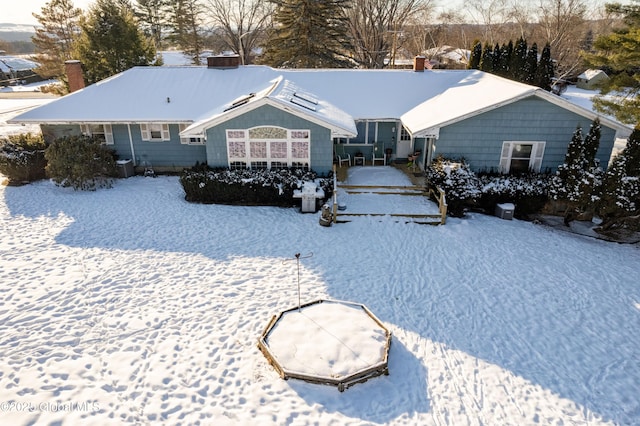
column 75, row 76
column 418, row 63
column 223, row 61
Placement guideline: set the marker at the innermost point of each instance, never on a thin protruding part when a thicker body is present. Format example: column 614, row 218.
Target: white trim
column 148, row 129
column 289, row 140
column 535, row 158
column 107, row 131
column 190, row 140
column 133, row 152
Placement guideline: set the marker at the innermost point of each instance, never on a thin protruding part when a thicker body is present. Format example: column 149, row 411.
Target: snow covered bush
column 22, row 158
column 80, row 162
column 247, row 187
column 457, row 180
column 529, row 192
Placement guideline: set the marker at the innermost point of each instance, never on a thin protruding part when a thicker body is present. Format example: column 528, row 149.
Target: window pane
column 278, row 149
column 519, row 166
column 521, row 151
column 237, row 150
column 300, row 149
column 258, row 149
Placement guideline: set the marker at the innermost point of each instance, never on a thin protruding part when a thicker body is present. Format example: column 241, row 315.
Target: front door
column 405, row 144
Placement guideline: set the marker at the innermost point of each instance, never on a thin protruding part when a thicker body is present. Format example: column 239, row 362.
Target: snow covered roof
column 15, row 63
column 590, row 73
column 190, row 94
column 285, row 95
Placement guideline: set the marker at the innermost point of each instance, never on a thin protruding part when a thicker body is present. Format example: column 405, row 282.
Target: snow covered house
column 227, row 115
column 590, row 79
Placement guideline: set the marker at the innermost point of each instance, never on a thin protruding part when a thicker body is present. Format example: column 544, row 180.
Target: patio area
column 384, row 191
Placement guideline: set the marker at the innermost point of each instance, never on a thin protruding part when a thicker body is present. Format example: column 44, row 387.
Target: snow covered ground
column 130, row 305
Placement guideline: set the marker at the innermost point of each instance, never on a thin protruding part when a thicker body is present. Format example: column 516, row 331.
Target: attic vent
column 303, row 104
column 240, row 102
column 306, row 98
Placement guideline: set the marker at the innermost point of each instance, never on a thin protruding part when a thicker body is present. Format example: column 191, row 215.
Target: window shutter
column 505, row 157
column 84, row 129
column 166, row 135
column 537, row 155
column 108, row 134
column 144, row 130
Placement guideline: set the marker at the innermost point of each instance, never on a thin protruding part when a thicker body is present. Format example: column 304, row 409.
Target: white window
column 155, row 132
column 190, row 140
column 521, row 156
column 268, row 147
column 103, row 132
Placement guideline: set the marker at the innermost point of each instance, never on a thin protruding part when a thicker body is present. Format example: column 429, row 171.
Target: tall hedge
column 80, row 162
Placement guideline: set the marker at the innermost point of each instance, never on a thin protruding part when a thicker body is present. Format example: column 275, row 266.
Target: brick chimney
column 418, row 63
column 74, row 75
column 223, row 61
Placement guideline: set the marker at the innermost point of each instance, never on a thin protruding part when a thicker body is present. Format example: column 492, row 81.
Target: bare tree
column 562, row 23
column 240, row 24
column 375, row 27
column 490, row 15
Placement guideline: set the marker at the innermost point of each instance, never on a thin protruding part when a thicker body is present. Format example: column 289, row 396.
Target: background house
column 228, row 115
column 590, row 79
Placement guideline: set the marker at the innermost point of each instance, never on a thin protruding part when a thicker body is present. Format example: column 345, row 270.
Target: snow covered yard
column 132, row 305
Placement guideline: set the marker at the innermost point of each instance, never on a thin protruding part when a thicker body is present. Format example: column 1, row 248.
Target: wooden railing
column 442, row 203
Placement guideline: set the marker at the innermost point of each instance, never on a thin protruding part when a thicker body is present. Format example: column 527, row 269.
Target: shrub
column 246, row 187
column 529, row 192
column 80, row 162
column 457, row 180
column 22, row 158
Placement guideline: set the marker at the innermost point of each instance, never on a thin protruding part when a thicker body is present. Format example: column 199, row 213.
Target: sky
column 20, row 12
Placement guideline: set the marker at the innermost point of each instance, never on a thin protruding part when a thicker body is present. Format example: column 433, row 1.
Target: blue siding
column 169, row 154
column 479, row 139
column 321, row 142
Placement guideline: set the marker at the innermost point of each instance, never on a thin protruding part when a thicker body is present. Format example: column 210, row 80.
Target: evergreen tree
column 496, row 59
column 621, row 188
column 111, row 42
column 544, row 72
column 506, row 50
column 150, row 14
column 308, row 34
column 476, row 56
column 54, row 38
column 486, row 62
column 518, row 60
column 618, row 53
column 185, row 21
column 531, row 65
column 579, row 179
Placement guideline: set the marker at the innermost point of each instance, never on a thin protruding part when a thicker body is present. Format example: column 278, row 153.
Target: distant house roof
column 590, row 74
column 186, row 94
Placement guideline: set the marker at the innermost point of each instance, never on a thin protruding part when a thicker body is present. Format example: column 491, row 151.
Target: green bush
column 22, row 158
column 80, row 162
column 529, row 192
column 457, row 180
column 246, row 187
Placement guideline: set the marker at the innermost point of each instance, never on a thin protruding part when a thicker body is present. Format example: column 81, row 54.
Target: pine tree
column 531, row 65
column 620, row 195
column 618, row 54
column 308, row 34
column 486, row 62
column 185, row 21
column 111, row 42
column 476, row 56
column 544, row 72
column 54, row 38
column 518, row 60
column 150, row 14
column 506, row 50
column 496, row 59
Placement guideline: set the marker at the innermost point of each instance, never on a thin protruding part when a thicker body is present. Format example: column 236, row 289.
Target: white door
column 404, row 148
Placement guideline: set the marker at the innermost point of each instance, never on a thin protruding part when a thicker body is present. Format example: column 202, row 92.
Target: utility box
column 505, row 210
column 125, row 168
